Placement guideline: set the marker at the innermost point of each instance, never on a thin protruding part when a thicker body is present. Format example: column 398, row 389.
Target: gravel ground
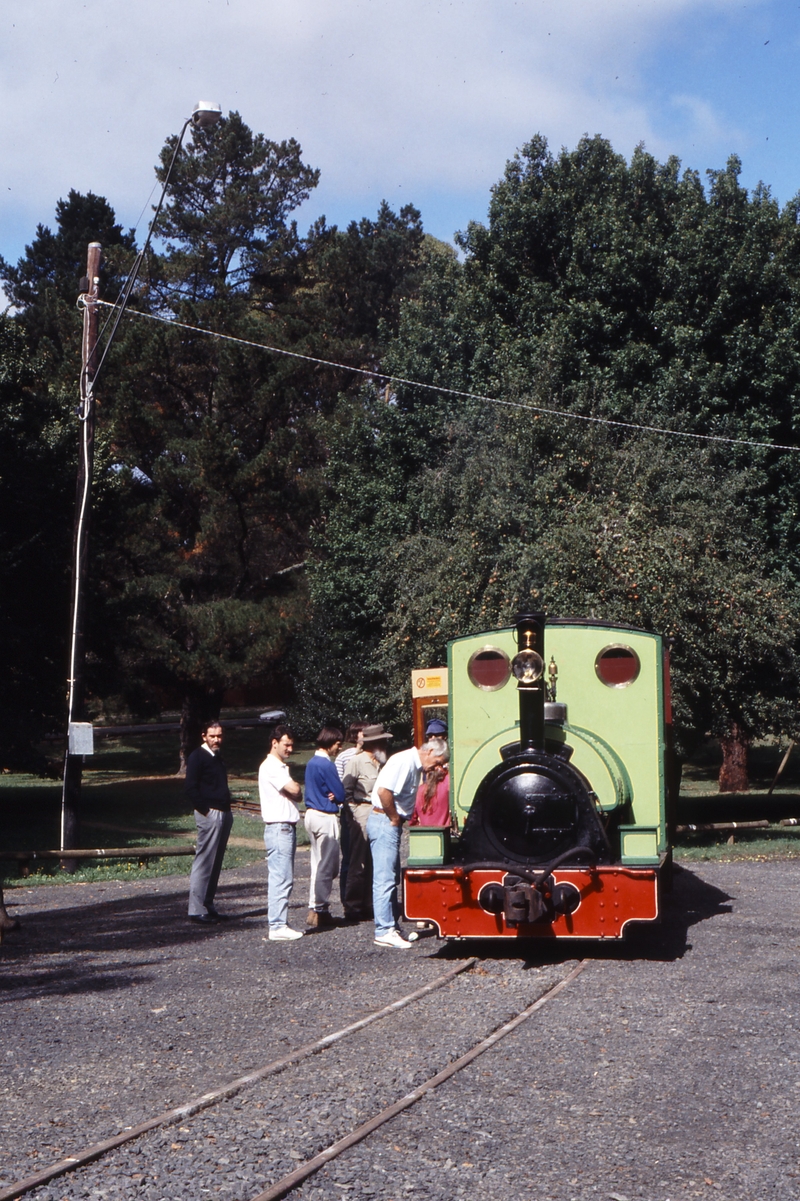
column 672, row 1073
column 667, row 1069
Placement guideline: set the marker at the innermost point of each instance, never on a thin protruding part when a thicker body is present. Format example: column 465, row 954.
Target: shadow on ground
column 146, row 924
column 134, row 924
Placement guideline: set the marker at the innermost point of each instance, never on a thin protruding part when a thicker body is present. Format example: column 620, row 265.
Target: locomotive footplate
column 574, row 902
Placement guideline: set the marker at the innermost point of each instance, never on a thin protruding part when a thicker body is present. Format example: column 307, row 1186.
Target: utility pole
column 79, row 732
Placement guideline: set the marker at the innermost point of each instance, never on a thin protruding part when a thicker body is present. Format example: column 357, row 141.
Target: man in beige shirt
column 359, row 779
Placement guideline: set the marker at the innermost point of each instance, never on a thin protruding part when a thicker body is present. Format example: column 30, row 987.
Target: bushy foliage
column 615, row 292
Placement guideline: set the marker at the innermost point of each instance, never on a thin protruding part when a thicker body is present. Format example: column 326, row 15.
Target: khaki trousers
column 323, row 834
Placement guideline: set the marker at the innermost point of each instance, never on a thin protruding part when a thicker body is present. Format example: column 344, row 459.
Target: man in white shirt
column 278, row 793
column 393, row 798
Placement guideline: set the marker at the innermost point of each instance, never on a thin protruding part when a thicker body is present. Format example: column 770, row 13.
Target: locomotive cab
column 558, row 784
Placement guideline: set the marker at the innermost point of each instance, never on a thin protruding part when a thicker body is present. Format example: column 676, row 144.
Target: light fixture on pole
column 79, row 732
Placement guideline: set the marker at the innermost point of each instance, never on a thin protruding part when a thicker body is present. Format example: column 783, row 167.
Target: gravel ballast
column 666, row 1069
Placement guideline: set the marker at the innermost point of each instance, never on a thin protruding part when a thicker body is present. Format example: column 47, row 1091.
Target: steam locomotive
column 559, row 785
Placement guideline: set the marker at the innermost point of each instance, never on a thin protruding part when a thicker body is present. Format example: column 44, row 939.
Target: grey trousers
column 212, row 838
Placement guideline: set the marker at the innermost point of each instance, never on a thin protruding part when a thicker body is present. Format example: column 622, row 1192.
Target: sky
column 410, row 101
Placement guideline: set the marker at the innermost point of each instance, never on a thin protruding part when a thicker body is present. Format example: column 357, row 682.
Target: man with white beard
column 360, row 775
column 393, row 798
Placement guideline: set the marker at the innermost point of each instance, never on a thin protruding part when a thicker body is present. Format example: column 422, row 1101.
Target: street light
column 205, row 114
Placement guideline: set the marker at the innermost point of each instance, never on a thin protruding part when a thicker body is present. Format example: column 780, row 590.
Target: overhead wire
column 123, row 286
column 388, row 377
column 121, row 304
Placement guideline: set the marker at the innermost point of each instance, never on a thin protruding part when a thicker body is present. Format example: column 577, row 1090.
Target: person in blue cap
column 432, row 806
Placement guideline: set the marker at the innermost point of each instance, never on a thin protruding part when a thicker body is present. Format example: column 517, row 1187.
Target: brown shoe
column 313, row 919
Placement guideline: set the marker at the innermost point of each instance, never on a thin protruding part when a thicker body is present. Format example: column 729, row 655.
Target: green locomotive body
column 560, row 741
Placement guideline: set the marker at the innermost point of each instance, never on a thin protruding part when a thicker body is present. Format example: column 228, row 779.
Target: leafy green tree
column 643, row 533
column 225, row 221
column 613, row 291
column 209, row 454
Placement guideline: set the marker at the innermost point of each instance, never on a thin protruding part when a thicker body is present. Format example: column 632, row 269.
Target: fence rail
column 26, row 858
column 171, row 727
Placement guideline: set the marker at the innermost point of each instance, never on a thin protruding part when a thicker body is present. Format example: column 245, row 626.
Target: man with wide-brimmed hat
column 360, row 775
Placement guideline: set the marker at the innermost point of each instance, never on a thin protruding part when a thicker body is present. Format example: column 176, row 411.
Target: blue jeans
column 280, row 839
column 384, row 841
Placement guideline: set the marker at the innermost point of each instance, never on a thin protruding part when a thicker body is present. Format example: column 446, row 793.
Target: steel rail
column 180, row 1112
column 287, row 1183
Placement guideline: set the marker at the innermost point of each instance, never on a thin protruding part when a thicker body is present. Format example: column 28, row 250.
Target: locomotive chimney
column 528, row 668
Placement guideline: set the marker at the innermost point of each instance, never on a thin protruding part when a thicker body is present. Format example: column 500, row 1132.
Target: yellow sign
column 430, row 682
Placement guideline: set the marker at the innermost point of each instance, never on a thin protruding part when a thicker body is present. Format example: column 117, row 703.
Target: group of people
column 357, row 801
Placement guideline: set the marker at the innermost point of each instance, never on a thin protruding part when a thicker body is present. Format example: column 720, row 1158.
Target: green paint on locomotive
column 617, row 733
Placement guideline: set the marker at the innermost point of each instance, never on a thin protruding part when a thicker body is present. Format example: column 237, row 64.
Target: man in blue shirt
column 324, row 794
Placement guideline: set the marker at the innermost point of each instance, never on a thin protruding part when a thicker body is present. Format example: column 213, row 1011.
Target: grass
column 714, row 847
column 130, row 797
column 701, row 801
column 129, row 785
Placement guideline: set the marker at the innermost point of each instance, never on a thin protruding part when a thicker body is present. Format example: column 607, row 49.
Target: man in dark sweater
column 207, row 789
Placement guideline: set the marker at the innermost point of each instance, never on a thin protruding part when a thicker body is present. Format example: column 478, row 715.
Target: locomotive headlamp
column 528, row 667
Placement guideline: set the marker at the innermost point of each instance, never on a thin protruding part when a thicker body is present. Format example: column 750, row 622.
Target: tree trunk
column 733, row 773
column 191, row 722
column 198, row 708
column 6, row 922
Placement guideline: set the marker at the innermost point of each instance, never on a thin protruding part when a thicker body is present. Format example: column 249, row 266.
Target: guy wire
column 387, row 377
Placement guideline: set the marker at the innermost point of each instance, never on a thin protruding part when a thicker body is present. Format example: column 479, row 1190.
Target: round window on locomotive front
column 617, row 666
column 489, row 668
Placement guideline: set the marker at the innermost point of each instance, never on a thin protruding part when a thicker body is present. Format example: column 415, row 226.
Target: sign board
column 430, row 681
column 428, row 698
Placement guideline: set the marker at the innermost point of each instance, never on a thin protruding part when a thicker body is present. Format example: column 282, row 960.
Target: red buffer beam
column 610, row 898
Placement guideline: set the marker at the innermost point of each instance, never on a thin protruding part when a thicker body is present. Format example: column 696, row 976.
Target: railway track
column 284, row 1121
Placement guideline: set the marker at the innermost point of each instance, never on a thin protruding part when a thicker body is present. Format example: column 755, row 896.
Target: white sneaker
column 284, row 934
column 411, row 935
column 393, row 938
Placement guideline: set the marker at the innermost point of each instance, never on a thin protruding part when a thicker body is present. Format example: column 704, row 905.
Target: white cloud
column 705, row 124
column 396, row 100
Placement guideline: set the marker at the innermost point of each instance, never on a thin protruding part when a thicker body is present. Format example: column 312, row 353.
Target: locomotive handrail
column 551, row 867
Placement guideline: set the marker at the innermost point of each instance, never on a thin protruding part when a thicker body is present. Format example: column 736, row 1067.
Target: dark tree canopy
column 215, row 451
column 37, row 486
column 45, row 283
column 210, row 455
